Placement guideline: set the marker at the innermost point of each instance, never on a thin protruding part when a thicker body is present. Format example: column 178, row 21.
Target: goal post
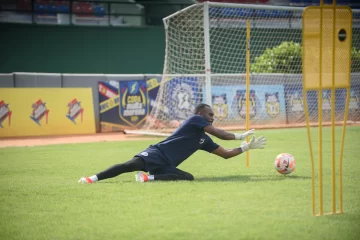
column 207, row 54
column 205, row 62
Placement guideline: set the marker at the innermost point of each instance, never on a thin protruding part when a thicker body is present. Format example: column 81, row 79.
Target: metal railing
column 91, row 12
column 87, row 12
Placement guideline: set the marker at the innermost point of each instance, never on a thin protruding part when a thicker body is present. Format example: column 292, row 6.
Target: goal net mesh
column 276, row 98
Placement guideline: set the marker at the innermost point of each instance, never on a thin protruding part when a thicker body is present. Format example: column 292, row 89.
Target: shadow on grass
column 249, row 178
column 232, row 178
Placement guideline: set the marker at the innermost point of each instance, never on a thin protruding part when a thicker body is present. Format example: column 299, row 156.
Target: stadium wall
column 93, row 50
column 28, row 112
column 113, row 120
column 75, row 49
column 57, row 80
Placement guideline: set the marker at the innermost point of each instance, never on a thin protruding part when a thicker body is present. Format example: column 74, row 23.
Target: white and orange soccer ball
column 285, row 163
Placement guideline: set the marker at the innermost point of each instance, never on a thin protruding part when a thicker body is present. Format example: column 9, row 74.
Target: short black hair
column 200, row 106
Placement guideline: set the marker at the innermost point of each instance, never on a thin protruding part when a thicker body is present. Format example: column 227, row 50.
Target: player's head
column 205, row 111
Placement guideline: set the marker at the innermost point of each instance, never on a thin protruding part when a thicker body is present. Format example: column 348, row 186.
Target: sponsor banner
column 267, row 103
column 126, row 104
column 153, row 85
column 109, row 101
column 220, row 107
column 295, row 104
column 133, row 108
column 123, row 104
column 183, row 96
column 354, row 103
column 108, row 95
column 46, row 111
column 5, row 114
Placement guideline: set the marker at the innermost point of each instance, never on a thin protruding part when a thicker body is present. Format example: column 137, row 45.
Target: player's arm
column 224, row 135
column 227, row 153
column 255, row 143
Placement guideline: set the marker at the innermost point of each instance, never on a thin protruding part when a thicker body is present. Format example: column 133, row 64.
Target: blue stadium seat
column 343, row 2
column 62, row 6
column 273, row 13
column 99, row 11
column 310, row 2
column 52, row 9
column 62, row 9
column 296, row 2
column 244, row 12
column 39, row 8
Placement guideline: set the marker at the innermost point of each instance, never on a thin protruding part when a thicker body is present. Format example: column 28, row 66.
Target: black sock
column 135, row 164
column 173, row 177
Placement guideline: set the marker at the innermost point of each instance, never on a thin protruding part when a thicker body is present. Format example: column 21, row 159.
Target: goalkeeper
column 161, row 160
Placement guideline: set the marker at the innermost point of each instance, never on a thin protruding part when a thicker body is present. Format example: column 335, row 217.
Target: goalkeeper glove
column 254, row 143
column 239, row 136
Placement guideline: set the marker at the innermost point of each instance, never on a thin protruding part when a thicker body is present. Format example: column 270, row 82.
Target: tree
column 286, row 58
column 355, row 60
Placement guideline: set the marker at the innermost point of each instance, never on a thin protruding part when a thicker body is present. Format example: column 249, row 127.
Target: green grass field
column 41, row 199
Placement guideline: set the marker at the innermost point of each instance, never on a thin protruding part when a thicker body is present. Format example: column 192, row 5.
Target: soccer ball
column 285, row 163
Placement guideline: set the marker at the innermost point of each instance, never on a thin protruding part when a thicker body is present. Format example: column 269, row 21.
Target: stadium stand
column 122, row 12
column 287, row 2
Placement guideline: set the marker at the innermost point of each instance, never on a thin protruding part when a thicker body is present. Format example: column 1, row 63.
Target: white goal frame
column 206, row 72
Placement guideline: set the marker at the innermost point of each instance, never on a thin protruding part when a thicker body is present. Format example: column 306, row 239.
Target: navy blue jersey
column 186, row 140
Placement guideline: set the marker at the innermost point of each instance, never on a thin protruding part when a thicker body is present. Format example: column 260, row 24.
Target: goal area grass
column 41, row 199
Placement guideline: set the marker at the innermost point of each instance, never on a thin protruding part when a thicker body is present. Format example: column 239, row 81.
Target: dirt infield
column 118, row 136
column 50, row 140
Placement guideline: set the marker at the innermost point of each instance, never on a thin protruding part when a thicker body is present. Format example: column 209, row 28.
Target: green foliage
column 286, row 58
column 355, row 60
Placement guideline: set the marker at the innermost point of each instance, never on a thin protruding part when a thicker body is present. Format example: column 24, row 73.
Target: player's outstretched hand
column 259, row 142
column 250, row 132
column 255, row 143
column 239, row 136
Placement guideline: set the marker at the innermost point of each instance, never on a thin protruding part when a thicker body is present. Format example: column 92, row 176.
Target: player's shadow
column 233, row 178
column 249, row 178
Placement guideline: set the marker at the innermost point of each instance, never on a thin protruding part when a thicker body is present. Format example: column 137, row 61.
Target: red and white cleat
column 141, row 177
column 85, row 180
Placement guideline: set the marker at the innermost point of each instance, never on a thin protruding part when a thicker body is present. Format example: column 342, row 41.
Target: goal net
column 205, row 62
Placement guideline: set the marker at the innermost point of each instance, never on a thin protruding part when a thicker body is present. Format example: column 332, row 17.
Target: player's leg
column 165, row 174
column 135, row 164
column 174, row 174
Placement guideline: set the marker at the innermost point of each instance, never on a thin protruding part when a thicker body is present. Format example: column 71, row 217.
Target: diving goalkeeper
column 160, row 161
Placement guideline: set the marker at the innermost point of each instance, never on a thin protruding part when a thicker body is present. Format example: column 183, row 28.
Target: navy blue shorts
column 153, row 159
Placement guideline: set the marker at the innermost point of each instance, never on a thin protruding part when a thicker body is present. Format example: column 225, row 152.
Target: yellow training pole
column 333, row 173
column 344, row 130
column 305, row 88
column 342, row 148
column 247, row 118
column 321, row 211
column 344, row 127
column 311, row 152
column 320, row 152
